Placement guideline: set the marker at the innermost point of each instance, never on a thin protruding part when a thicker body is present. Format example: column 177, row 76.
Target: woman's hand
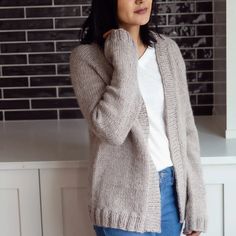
column 107, row 33
column 193, row 233
column 120, row 48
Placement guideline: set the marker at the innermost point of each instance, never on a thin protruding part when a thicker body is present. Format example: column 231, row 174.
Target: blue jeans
column 170, row 225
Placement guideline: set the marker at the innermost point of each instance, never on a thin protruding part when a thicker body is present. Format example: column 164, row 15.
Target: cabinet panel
column 20, row 203
column 221, row 194
column 64, row 202
column 215, row 203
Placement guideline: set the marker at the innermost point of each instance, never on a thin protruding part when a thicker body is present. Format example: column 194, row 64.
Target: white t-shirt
column 151, row 87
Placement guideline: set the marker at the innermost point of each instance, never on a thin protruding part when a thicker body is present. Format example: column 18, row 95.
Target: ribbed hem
column 110, row 218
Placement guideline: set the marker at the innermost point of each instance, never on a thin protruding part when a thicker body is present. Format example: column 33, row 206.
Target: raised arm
column 110, row 110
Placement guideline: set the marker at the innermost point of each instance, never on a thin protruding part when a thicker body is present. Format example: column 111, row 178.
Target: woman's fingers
column 194, row 233
column 107, row 33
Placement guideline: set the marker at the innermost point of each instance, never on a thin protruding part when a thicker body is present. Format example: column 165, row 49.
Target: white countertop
column 43, row 143
column 215, row 148
column 64, row 143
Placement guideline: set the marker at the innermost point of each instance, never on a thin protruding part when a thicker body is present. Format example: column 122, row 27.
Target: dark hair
column 103, row 17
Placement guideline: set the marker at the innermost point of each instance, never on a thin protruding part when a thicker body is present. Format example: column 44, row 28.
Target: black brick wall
column 36, row 37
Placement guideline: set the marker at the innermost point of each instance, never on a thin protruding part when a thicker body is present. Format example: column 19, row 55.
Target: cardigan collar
column 169, row 78
column 164, row 64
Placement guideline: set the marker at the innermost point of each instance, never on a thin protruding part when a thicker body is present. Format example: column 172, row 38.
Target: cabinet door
column 20, row 203
column 64, row 202
column 221, row 194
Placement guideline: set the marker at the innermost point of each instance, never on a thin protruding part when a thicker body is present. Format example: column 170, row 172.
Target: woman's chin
column 141, row 22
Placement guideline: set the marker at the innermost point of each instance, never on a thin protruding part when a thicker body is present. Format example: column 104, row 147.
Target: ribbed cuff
column 196, row 224
column 120, row 47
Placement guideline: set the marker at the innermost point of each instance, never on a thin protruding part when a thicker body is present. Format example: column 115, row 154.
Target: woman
column 145, row 175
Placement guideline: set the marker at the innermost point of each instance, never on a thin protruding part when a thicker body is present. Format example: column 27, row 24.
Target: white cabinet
column 64, row 202
column 53, row 201
column 44, row 202
column 20, row 203
column 221, row 194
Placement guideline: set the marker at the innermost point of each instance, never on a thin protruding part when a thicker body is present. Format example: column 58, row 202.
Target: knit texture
column 123, row 186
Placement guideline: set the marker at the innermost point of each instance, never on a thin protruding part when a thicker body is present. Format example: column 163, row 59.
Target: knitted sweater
column 123, row 189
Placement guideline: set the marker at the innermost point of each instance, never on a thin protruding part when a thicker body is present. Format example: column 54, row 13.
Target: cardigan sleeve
column 110, row 109
column 196, row 208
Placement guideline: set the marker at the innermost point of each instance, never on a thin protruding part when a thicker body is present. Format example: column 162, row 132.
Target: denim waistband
column 166, row 174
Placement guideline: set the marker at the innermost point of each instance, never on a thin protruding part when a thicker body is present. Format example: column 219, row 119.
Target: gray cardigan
column 124, row 188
